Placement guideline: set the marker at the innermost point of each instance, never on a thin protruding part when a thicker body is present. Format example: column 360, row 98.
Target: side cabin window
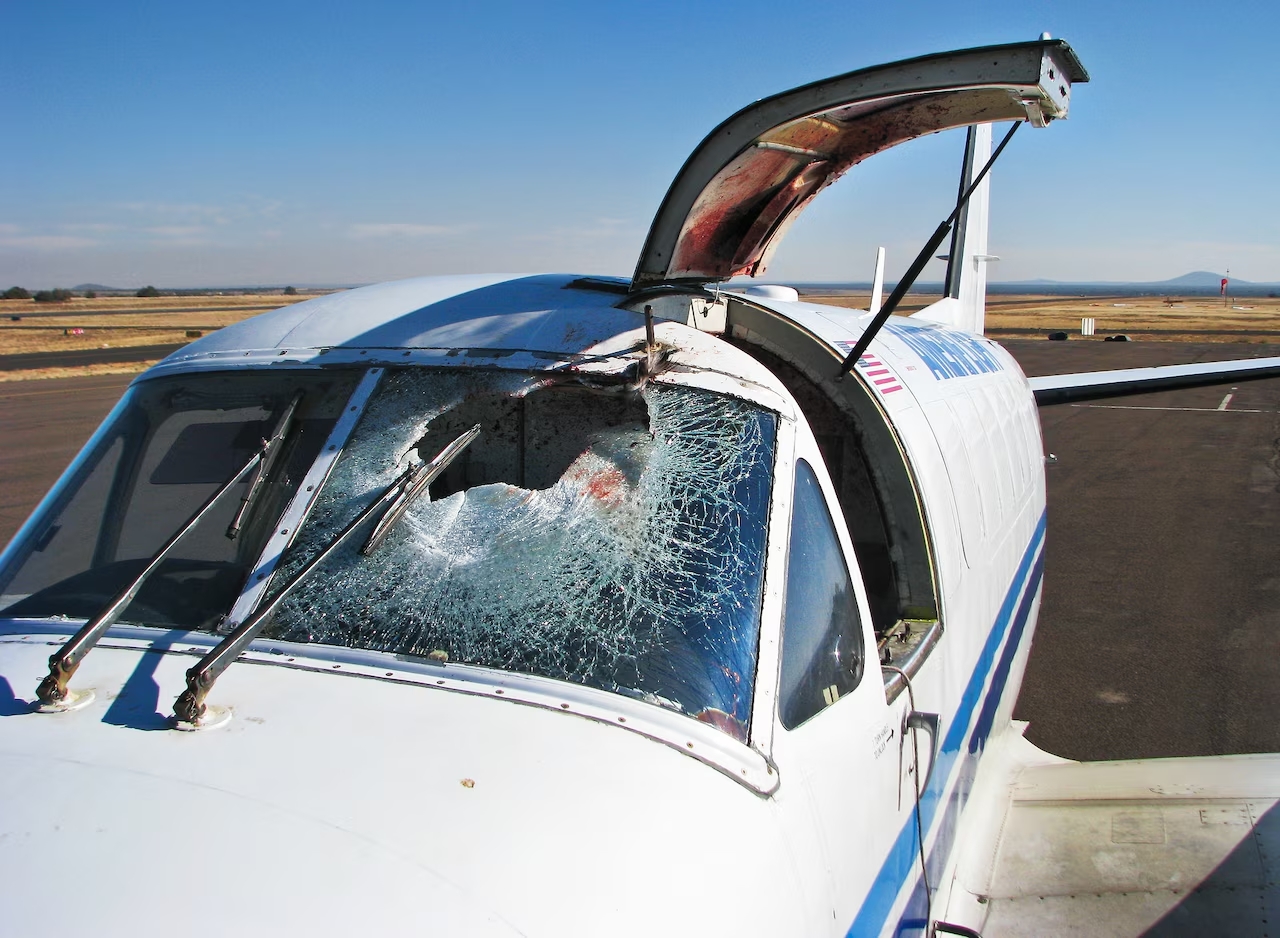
column 823, row 655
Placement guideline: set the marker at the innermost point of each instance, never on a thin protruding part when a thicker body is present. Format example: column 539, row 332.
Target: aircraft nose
column 100, row 844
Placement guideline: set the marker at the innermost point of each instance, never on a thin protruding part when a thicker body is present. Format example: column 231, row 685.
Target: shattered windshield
column 610, row 537
column 169, row 446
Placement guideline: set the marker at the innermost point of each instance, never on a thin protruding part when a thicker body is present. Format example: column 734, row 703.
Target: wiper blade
column 421, row 478
column 271, row 447
column 190, row 707
column 53, row 692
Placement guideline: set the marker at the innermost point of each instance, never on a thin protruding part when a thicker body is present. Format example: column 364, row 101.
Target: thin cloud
column 95, row 227
column 176, row 231
column 397, row 230
column 179, row 213
column 599, row 229
column 172, row 208
column 46, row 242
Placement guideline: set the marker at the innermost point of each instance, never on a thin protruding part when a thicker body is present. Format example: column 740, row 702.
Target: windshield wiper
column 53, row 692
column 421, row 478
column 190, row 707
column 271, row 447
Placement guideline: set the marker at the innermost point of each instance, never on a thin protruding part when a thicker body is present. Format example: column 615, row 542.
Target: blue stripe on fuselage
column 902, row 860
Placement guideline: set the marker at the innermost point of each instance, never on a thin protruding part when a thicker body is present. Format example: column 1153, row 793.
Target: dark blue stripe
column 982, row 729
column 899, row 865
column 917, row 908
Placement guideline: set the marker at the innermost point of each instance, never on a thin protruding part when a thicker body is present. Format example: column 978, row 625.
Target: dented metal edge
column 917, row 651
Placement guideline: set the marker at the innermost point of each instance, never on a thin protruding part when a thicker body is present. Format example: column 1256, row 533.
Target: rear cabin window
column 822, row 649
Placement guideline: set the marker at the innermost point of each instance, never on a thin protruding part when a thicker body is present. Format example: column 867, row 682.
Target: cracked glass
column 612, row 537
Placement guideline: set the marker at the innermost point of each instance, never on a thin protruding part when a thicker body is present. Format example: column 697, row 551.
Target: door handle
column 929, row 723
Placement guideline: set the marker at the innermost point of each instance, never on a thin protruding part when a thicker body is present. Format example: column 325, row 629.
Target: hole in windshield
column 607, row 537
column 528, row 440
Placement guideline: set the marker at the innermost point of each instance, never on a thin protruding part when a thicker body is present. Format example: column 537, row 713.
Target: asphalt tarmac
column 43, row 424
column 1160, row 629
column 1159, row 633
column 74, row 358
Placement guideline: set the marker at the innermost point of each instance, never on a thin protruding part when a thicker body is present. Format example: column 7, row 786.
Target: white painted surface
column 332, row 804
column 1115, row 848
column 877, row 283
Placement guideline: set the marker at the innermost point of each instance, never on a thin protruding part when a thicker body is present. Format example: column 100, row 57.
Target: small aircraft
column 563, row 605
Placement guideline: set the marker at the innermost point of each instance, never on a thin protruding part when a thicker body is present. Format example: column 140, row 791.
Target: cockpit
column 610, row 534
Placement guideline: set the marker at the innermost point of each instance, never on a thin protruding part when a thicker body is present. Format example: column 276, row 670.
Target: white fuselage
column 361, row 789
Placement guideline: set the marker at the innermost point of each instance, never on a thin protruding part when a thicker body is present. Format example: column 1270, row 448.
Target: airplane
column 573, row 605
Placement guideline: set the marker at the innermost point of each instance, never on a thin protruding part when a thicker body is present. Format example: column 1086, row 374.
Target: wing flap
column 1159, row 846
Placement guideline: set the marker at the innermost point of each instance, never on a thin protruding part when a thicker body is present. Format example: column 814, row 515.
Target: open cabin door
column 751, row 177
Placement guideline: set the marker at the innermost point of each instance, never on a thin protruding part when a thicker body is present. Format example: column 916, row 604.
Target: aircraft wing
column 1185, row 846
column 1090, row 385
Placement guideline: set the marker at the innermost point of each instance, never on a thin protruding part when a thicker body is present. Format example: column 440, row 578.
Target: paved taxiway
column 74, row 358
column 1160, row 631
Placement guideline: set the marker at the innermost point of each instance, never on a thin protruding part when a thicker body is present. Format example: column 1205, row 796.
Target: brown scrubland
column 1142, row 318
column 136, row 322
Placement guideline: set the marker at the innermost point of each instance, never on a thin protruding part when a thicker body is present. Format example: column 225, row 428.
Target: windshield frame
column 371, row 602
column 672, row 728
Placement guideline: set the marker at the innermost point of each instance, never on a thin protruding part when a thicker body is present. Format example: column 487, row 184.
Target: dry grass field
column 131, row 322
column 28, row 326
column 115, row 322
column 1142, row 318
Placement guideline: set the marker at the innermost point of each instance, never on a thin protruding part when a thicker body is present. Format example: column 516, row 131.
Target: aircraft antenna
column 917, row 266
column 877, row 283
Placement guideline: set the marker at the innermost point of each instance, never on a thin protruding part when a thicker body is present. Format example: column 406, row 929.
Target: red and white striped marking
column 884, row 380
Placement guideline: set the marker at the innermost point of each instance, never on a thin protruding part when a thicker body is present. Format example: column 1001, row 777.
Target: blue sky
column 186, row 144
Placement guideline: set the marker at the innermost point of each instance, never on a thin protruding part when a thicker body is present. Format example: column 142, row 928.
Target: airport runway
column 73, row 358
column 1160, row 631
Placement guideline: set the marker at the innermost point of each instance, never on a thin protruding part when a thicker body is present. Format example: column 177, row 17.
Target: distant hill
column 185, row 291
column 1197, row 279
column 1202, row 278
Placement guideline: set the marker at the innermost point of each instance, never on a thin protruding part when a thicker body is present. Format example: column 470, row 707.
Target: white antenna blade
column 877, row 284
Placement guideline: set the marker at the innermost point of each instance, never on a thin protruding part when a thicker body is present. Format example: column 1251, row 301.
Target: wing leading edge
column 1091, row 385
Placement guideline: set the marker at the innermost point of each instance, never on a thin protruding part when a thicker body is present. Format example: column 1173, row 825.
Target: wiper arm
column 190, row 707
column 271, row 447
column 422, row 476
column 53, row 692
